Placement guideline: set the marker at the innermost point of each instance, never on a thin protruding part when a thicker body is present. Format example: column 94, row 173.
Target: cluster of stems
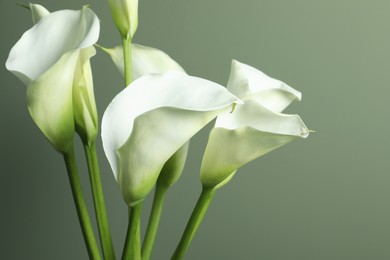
column 99, row 204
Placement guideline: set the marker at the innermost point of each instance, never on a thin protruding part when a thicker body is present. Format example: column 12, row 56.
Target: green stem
column 81, row 206
column 126, row 42
column 98, row 199
column 132, row 249
column 154, row 220
column 192, row 226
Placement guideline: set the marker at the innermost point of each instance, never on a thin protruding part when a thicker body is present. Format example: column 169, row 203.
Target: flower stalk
column 128, row 71
column 154, row 220
column 132, row 248
column 196, row 218
column 81, row 206
column 98, row 199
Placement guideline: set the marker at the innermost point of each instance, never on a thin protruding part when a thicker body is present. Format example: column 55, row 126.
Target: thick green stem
column 98, row 199
column 132, row 249
column 154, row 220
column 192, row 226
column 81, row 206
column 126, row 42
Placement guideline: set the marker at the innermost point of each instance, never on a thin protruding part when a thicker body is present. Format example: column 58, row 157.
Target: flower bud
column 125, row 15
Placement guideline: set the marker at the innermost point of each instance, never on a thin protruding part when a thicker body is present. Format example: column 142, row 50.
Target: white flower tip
column 37, row 11
column 305, row 132
column 258, row 80
column 92, row 25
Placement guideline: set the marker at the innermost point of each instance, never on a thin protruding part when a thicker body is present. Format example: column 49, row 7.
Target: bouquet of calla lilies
column 147, row 127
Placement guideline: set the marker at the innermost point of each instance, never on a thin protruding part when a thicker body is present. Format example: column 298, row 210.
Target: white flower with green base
column 151, row 120
column 53, row 60
column 251, row 129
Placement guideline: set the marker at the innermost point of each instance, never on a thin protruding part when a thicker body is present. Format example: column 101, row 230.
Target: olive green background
column 325, row 197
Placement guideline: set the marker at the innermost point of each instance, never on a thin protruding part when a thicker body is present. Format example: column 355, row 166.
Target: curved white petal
column 227, row 150
column 53, row 36
column 252, row 114
column 156, row 136
column 84, row 105
column 247, row 82
column 145, row 60
column 38, row 11
column 50, row 101
column 150, row 120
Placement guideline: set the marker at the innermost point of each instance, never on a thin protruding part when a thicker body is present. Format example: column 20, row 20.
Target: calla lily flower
column 150, row 120
column 125, row 15
column 252, row 128
column 52, row 60
column 146, row 60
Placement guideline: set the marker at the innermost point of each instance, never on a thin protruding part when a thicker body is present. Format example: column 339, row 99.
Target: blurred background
column 325, row 197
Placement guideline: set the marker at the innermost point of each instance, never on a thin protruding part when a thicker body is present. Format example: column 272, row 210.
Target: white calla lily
column 150, row 120
column 146, row 60
column 125, row 16
column 252, row 128
column 52, row 60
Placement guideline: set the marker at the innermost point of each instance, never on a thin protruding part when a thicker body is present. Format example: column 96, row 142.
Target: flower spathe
column 52, row 60
column 252, row 128
column 146, row 60
column 150, row 120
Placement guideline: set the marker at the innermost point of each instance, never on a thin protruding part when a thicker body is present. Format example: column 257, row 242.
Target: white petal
column 156, row 136
column 38, row 11
column 50, row 101
column 254, row 115
column 145, row 60
column 227, row 150
column 247, row 82
column 116, row 55
column 55, row 34
column 150, row 120
column 151, row 60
